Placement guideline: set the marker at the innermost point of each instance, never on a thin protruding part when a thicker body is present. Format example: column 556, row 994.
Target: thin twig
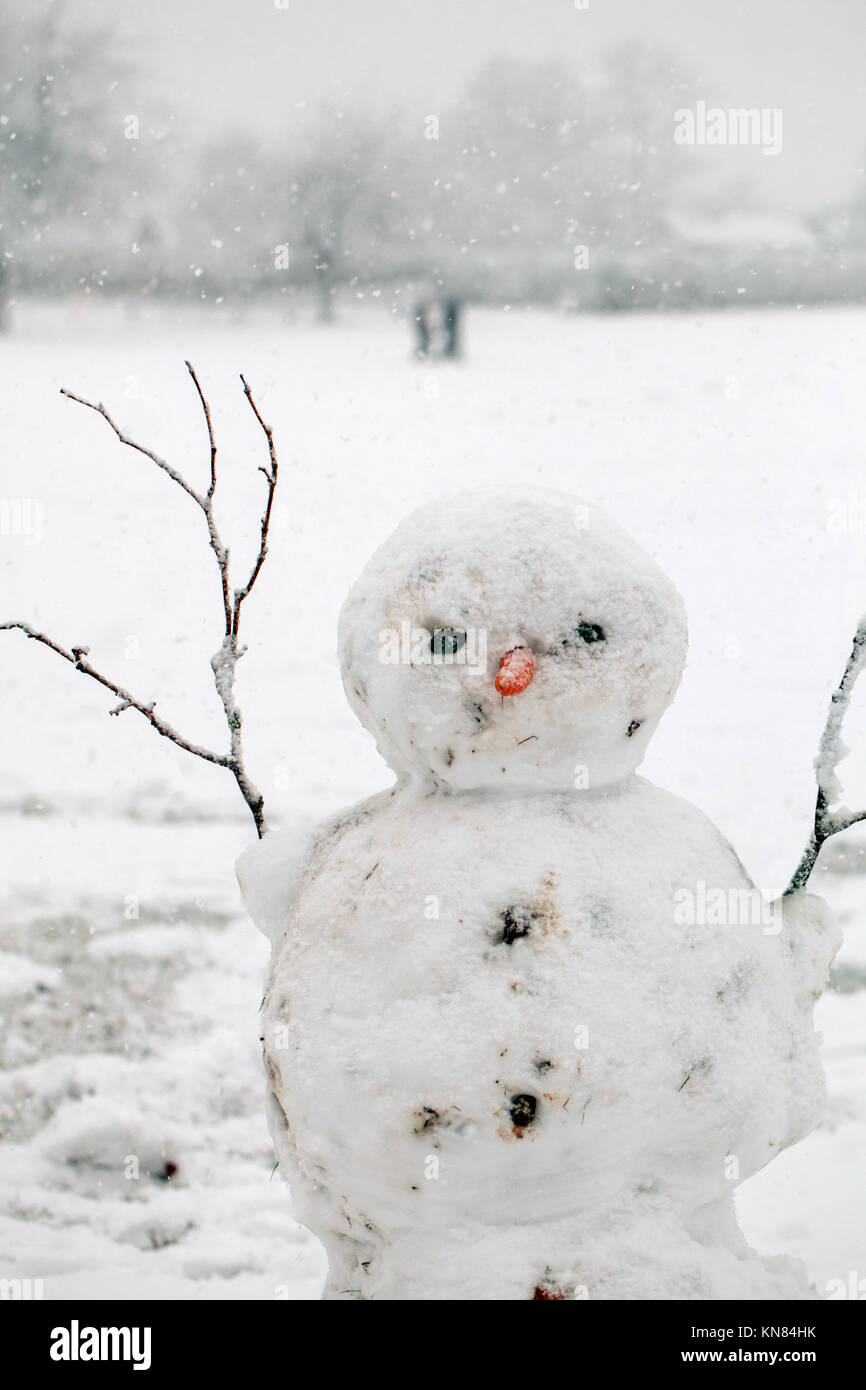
column 76, row 657
column 160, row 463
column 831, row 750
column 224, row 662
column 216, row 545
column 271, row 476
column 206, row 408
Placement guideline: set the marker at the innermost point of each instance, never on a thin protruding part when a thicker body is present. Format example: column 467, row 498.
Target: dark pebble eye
column 447, row 641
column 590, row 632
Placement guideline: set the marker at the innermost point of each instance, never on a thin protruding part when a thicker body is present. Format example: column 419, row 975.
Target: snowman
column 528, row 1021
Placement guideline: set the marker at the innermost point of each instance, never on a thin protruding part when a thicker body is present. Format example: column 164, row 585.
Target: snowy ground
column 730, row 444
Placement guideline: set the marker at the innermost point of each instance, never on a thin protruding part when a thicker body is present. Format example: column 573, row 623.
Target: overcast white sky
column 246, row 63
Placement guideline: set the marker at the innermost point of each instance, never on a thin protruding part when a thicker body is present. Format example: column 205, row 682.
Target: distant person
column 422, row 332
column 437, row 327
column 451, row 327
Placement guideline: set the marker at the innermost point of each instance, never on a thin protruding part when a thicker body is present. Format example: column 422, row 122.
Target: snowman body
column 527, row 1026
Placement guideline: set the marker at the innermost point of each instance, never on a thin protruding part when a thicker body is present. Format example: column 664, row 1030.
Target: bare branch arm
column 77, row 658
column 204, row 501
column 271, row 477
column 206, row 408
column 160, row 463
column 216, row 545
column 831, row 750
column 224, row 662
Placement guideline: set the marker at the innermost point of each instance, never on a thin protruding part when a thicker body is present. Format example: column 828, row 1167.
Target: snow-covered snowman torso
column 528, row 1021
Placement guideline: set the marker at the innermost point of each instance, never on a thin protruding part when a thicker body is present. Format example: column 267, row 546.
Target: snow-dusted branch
column 225, row 660
column 160, row 463
column 206, row 504
column 271, row 476
column 831, row 751
column 77, row 657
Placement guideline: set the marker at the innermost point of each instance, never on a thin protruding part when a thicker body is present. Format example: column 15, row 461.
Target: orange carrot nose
column 516, row 670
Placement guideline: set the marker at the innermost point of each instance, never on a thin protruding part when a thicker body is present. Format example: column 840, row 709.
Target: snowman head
column 514, row 638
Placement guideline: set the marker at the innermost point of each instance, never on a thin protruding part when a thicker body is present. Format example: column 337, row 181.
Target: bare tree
column 339, row 201
column 225, row 659
column 68, row 178
column 232, row 225
column 831, row 750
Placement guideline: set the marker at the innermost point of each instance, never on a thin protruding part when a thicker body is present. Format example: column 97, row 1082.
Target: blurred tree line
column 531, row 187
